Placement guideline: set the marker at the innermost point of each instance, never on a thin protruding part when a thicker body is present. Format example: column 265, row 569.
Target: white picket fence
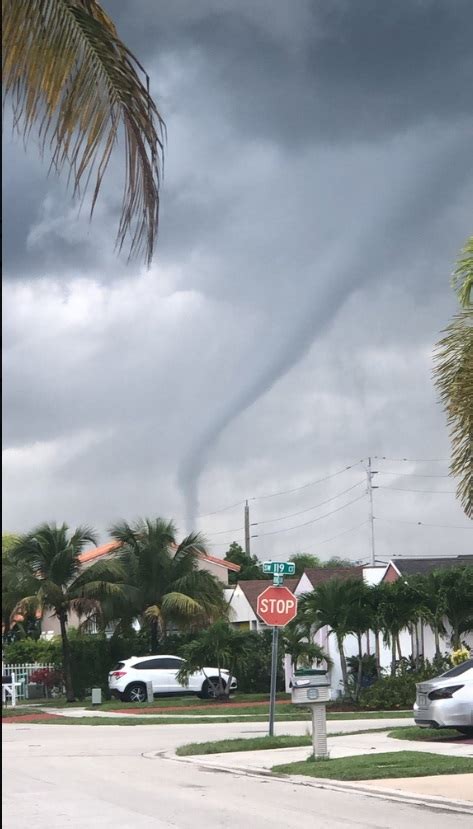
column 22, row 675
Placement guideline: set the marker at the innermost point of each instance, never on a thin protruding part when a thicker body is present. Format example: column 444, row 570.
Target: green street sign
column 279, row 568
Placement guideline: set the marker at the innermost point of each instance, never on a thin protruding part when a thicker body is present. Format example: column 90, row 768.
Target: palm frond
column 463, row 275
column 67, row 72
column 180, row 605
column 454, row 379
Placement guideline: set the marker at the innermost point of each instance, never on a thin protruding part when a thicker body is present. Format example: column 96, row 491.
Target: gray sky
column 318, row 187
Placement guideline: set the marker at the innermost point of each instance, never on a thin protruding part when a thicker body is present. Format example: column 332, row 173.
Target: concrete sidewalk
column 453, row 787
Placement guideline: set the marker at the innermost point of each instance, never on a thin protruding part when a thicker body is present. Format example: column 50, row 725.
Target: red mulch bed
column 209, row 706
column 30, row 718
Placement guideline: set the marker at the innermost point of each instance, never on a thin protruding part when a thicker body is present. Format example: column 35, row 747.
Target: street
column 85, row 776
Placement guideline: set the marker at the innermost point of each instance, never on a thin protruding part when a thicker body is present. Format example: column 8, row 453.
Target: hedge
column 93, row 656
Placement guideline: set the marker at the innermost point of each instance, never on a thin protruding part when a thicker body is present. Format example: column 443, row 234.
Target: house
column 420, row 639
column 217, row 566
column 402, row 567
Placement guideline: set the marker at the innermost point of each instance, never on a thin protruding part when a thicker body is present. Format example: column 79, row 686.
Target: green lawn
column 380, row 766
column 255, row 743
column 431, row 735
column 15, row 712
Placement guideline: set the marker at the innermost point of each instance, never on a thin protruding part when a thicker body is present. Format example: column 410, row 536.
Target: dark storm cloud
column 318, row 187
column 344, row 71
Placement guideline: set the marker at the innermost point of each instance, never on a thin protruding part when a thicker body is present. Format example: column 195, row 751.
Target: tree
column 432, row 603
column 59, row 582
column 336, row 561
column 329, row 605
column 456, row 589
column 15, row 581
column 168, row 585
column 303, row 652
column 250, row 566
column 305, row 561
column 399, row 606
column 454, row 379
column 67, row 73
column 219, row 645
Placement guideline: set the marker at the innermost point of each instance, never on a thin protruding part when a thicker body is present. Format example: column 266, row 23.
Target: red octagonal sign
column 276, row 606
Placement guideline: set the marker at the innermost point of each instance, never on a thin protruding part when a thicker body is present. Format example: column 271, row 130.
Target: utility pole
column 369, row 474
column 247, row 529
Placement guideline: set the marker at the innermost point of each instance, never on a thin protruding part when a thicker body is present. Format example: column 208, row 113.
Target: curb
column 429, row 801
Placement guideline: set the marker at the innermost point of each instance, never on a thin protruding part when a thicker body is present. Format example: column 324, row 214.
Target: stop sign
column 276, row 606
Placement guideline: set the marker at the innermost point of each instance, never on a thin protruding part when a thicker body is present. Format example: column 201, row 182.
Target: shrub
column 391, row 692
column 33, row 650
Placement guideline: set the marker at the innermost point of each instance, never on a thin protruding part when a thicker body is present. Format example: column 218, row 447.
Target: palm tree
column 454, row 379
column 59, row 582
column 329, row 605
column 456, row 586
column 399, row 607
column 219, row 645
column 432, row 603
column 303, row 652
column 170, row 587
column 67, row 73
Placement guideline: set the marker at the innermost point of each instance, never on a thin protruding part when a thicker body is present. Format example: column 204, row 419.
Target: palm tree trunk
column 154, row 635
column 393, row 654
column 66, row 658
column 398, row 646
column 377, row 653
column 343, row 664
column 455, row 639
column 437, row 640
column 360, row 666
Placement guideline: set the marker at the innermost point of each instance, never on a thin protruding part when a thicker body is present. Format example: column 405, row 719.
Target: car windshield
column 460, row 669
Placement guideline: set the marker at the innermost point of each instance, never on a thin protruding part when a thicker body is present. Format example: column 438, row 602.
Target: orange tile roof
column 110, row 546
column 97, row 552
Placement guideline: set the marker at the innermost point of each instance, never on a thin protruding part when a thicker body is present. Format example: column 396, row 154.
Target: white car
column 128, row 679
column 447, row 700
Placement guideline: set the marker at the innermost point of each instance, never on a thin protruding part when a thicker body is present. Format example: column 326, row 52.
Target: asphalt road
column 85, row 776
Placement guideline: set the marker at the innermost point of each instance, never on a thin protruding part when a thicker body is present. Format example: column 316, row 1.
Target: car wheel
column 208, row 688
column 136, row 692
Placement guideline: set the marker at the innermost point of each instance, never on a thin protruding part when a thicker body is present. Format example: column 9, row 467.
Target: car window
column 148, row 665
column 460, row 669
column 159, row 663
column 118, row 666
column 171, row 662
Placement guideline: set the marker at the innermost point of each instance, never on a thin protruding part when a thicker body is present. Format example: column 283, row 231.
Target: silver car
column 447, row 700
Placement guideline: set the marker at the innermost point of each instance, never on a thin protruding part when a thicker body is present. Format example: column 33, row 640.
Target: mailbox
column 309, row 687
column 312, row 688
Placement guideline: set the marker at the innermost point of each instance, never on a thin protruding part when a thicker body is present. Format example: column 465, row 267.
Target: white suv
column 128, row 679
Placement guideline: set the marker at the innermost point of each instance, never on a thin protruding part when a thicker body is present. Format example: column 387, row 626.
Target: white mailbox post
column 312, row 688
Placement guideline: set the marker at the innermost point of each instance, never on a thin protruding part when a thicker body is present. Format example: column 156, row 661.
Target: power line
column 222, row 509
column 412, row 460
column 424, row 524
column 308, row 509
column 281, row 492
column 428, row 491
column 306, row 523
column 344, row 532
column 223, row 532
column 410, row 474
column 304, row 486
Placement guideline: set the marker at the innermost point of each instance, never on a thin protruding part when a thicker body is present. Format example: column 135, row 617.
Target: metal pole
column 247, row 529
column 319, row 732
column 370, row 493
column 274, row 675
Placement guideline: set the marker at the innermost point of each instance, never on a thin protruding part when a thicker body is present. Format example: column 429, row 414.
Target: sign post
column 276, row 606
